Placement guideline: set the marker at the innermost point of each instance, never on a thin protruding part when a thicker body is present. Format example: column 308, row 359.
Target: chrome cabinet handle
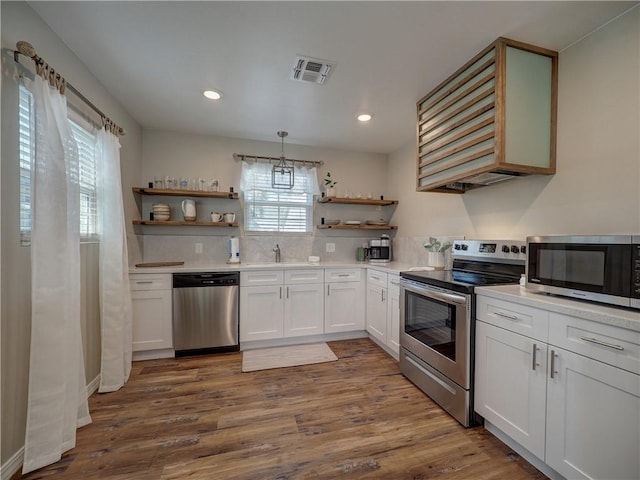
column 287, row 292
column 328, row 289
column 280, row 292
column 343, row 274
column 394, row 283
column 600, row 342
column 139, row 282
column 553, row 364
column 534, row 363
column 506, row 315
column 382, row 292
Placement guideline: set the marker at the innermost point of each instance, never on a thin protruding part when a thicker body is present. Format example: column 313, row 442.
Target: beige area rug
column 291, row 356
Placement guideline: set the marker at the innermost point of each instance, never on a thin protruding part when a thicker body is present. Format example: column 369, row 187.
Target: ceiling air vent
column 313, row 70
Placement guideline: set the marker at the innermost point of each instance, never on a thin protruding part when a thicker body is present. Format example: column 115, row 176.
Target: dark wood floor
column 201, row 418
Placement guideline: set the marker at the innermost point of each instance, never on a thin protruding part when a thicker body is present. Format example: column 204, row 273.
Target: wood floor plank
column 356, row 418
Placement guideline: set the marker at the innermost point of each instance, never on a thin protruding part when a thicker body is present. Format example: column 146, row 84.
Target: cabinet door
column 593, row 419
column 510, row 386
column 343, row 307
column 303, row 310
column 152, row 328
column 261, row 312
column 393, row 315
column 377, row 312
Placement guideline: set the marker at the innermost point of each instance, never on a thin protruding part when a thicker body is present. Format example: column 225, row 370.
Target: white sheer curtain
column 57, row 401
column 115, row 299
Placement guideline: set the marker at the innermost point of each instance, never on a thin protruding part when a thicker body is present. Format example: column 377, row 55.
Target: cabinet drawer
column 610, row 344
column 528, row 321
column 375, row 277
column 304, row 276
column 150, row 281
column 342, row 275
column 261, row 277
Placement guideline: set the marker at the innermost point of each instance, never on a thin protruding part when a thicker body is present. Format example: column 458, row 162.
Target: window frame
column 280, row 203
column 88, row 189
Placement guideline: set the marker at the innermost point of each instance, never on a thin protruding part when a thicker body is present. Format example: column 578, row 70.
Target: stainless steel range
column 437, row 315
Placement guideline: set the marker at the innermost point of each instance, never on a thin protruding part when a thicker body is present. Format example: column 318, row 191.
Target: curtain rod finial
column 26, row 49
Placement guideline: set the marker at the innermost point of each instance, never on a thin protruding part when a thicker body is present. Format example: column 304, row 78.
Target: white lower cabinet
column 510, row 391
column 344, row 302
column 304, row 310
column 261, row 312
column 151, row 309
column 393, row 314
column 593, row 419
column 383, row 310
column 277, row 304
column 578, row 415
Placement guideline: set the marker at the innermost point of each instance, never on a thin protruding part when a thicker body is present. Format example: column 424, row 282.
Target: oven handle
column 445, row 297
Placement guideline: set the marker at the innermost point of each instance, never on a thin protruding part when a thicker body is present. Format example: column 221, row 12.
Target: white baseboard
column 12, row 465
column 323, row 337
column 93, row 386
column 153, row 354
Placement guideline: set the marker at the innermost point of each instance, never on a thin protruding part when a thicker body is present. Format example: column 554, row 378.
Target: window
column 268, row 209
column 86, row 139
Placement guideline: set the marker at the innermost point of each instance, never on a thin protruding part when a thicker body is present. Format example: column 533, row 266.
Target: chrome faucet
column 277, row 252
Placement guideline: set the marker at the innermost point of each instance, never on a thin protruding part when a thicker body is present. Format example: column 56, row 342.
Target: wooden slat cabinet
column 493, row 119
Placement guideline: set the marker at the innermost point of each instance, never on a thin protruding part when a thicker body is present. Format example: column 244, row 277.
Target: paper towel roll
column 234, row 250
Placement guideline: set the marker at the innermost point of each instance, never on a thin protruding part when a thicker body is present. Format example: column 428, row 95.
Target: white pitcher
column 189, row 210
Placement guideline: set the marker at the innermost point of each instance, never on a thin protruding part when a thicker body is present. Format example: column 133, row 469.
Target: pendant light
column 282, row 174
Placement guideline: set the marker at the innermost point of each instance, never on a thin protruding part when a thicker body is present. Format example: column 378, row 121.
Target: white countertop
column 621, row 317
column 392, row 267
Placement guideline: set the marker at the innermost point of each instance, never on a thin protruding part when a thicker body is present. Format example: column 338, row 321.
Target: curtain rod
column 244, row 156
column 28, row 50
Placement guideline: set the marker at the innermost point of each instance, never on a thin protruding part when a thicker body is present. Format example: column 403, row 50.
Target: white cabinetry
column 277, row 304
column 304, row 302
column 377, row 297
column 151, row 306
column 565, row 388
column 261, row 305
column 344, row 305
column 393, row 314
column 383, row 310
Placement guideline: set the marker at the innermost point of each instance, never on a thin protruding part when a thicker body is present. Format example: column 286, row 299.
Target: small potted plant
column 329, row 185
column 436, row 249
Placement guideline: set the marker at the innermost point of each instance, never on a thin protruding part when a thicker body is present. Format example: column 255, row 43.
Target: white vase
column 435, row 259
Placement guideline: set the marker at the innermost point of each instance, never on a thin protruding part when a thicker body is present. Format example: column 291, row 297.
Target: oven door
column 435, row 327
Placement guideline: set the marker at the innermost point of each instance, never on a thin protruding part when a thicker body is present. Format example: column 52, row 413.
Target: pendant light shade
column 282, row 174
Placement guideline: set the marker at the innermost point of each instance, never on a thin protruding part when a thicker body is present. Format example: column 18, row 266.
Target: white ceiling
column 156, row 58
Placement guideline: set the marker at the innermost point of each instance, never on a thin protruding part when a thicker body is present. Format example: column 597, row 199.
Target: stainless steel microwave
column 598, row 268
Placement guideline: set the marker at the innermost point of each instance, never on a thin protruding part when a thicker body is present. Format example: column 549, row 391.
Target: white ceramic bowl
column 161, row 217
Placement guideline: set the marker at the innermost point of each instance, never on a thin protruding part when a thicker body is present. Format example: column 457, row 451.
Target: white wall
column 201, row 156
column 597, row 185
column 20, row 22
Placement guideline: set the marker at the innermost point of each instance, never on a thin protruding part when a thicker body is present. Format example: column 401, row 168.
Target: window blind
column 267, row 209
column 86, row 140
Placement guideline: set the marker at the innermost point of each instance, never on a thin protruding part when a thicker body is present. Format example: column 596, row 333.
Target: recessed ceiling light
column 364, row 117
column 213, row 94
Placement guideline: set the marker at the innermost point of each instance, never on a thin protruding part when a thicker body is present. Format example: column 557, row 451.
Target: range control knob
column 523, row 249
column 505, row 248
column 515, row 249
column 456, row 246
column 465, row 247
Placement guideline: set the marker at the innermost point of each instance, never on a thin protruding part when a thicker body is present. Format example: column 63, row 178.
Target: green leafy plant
column 328, row 181
column 435, row 245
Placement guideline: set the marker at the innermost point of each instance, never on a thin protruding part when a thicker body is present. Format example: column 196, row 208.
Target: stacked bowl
column 161, row 212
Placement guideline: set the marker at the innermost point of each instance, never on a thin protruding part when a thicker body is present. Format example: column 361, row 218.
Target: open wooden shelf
column 357, row 201
column 179, row 223
column 184, row 193
column 357, row 227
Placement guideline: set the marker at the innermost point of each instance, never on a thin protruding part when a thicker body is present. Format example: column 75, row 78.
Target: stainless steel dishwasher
column 205, row 313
